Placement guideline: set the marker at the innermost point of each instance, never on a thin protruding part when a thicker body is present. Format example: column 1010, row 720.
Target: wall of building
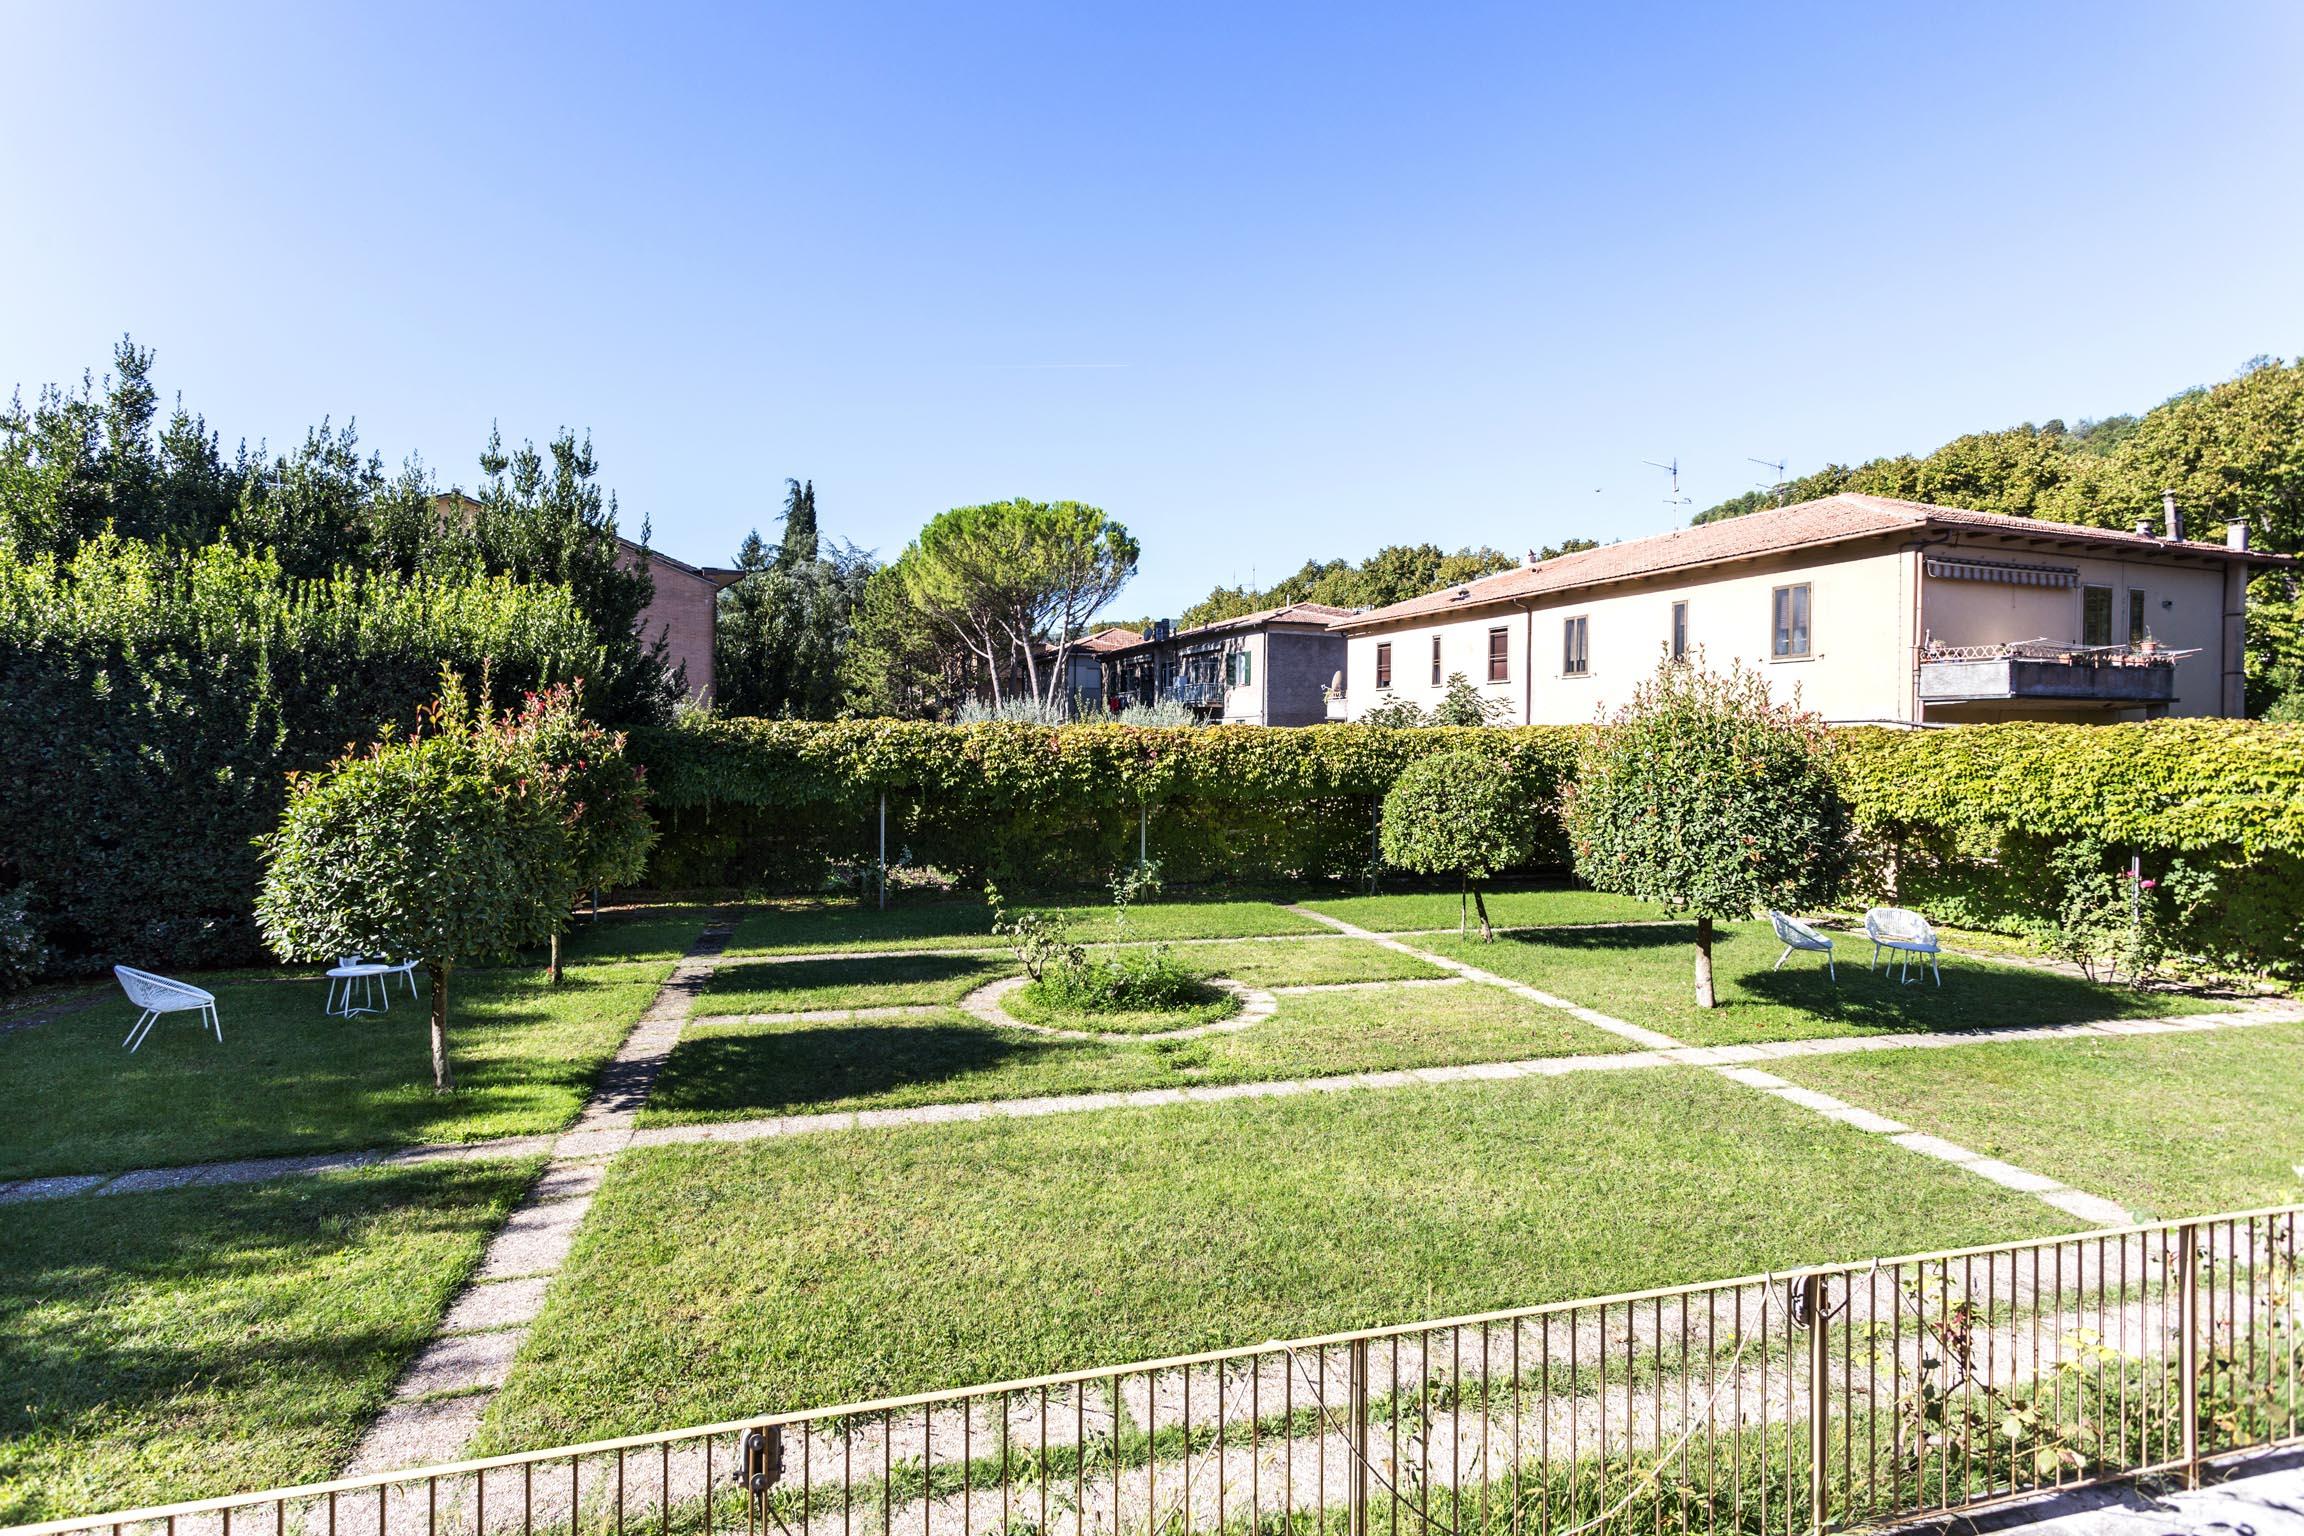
column 1293, row 673
column 1858, row 666
column 2183, row 609
column 682, row 614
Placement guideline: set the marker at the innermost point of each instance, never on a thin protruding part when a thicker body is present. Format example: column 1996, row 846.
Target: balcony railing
column 2048, row 671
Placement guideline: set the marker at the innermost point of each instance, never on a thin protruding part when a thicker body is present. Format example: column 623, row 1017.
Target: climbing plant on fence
column 1954, row 820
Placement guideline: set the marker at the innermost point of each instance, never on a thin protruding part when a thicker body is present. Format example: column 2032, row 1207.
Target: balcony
column 1196, row 694
column 2050, row 672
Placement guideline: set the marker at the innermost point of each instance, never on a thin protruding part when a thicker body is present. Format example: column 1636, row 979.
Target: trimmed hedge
column 1953, row 820
column 158, row 699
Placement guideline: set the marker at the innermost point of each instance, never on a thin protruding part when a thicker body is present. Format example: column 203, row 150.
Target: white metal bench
column 157, row 995
column 1796, row 934
column 1904, row 934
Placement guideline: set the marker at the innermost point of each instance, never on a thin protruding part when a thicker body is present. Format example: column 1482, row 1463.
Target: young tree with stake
column 451, row 844
column 1462, row 814
column 1706, row 796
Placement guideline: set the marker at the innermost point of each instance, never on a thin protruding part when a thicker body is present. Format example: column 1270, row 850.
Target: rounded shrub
column 1463, row 814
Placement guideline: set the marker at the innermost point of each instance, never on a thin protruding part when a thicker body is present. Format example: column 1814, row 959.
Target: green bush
column 158, row 700
column 22, row 955
column 1705, row 795
column 1127, row 981
column 449, row 845
column 1460, row 814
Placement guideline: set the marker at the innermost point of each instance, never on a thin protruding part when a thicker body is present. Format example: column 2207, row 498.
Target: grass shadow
column 800, row 1069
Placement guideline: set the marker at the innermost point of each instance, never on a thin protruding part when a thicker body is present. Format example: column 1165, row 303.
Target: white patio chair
column 1798, row 935
column 406, row 971
column 157, row 995
column 1904, row 934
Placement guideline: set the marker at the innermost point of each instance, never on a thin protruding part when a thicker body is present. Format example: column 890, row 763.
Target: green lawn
column 746, row 1071
column 197, row 1342
column 798, row 985
column 804, row 925
column 2167, row 1125
column 716, row 1281
column 1304, row 962
column 289, row 1079
column 1647, row 976
column 1526, row 907
column 652, row 932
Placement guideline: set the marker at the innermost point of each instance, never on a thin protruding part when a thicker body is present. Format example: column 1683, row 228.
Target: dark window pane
column 2135, row 617
column 2095, row 615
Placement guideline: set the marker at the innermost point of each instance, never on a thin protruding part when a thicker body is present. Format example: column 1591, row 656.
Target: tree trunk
column 1480, row 905
column 1704, row 962
column 552, row 969
column 442, row 1078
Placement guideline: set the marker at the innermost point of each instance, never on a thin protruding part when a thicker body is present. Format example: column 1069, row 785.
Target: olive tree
column 605, row 801
column 1461, row 814
column 449, row 844
column 1706, row 796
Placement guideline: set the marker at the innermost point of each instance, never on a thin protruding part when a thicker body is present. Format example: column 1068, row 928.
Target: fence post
column 1143, row 833
column 2188, row 1348
column 883, row 850
column 1819, row 1399
column 1358, row 1506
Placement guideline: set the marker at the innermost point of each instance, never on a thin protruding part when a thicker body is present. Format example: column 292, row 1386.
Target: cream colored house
column 1876, row 611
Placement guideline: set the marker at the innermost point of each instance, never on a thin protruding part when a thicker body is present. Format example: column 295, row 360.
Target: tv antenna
column 1777, row 484
column 1672, row 469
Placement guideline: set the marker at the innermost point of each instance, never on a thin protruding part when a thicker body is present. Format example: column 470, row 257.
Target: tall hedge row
column 1951, row 819
column 156, row 701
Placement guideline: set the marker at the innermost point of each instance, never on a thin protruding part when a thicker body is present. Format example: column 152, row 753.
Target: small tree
column 1464, row 704
column 1705, row 796
column 443, row 844
column 609, row 832
column 1460, row 813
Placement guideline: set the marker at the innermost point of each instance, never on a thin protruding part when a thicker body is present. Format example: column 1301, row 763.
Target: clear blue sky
column 1265, row 282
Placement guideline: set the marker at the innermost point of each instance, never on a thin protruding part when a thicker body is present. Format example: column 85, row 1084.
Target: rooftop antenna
column 1672, row 469
column 1777, row 484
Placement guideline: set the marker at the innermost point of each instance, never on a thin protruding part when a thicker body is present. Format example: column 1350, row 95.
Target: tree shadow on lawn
column 775, row 987
column 797, row 1069
column 1974, row 994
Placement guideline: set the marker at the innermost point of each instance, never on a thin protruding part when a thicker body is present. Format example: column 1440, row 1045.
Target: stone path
column 438, row 1402
column 2088, row 1207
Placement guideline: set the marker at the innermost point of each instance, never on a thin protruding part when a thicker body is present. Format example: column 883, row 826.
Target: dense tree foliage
column 1706, row 796
column 972, row 600
column 785, row 629
column 1461, row 814
column 609, row 830
column 446, row 845
column 80, row 462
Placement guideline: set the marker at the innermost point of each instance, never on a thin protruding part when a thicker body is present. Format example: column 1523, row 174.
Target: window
column 2135, row 617
column 1575, row 646
column 1435, row 661
column 1792, row 621
column 1679, row 631
column 1499, row 655
column 1236, row 669
column 1384, row 664
column 2095, row 615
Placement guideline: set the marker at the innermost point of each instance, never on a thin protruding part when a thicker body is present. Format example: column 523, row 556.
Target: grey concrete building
column 1271, row 667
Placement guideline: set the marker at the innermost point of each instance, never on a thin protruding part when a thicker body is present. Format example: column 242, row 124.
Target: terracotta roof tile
column 1807, row 525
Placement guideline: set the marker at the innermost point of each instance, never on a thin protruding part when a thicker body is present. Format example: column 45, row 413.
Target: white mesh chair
column 1796, row 934
column 157, row 995
column 1903, row 934
column 406, row 971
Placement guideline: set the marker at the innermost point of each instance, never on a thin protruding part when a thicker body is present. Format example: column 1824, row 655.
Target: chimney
column 2143, row 527
column 1530, row 562
column 2174, row 518
column 2236, row 533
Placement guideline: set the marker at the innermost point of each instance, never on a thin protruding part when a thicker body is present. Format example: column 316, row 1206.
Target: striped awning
column 2006, row 572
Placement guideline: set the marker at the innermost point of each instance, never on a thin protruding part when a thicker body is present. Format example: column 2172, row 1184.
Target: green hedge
column 1953, row 820
column 158, row 699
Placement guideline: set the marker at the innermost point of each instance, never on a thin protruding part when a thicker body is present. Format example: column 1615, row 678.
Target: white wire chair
column 1796, row 934
column 1905, row 934
column 157, row 995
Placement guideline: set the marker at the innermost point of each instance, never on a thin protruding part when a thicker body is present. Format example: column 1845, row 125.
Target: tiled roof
column 1808, row 525
column 1289, row 613
column 1108, row 640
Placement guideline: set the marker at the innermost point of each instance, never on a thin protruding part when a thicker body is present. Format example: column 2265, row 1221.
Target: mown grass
column 746, row 1071
column 287, row 1078
column 2169, row 1125
column 1513, row 907
column 799, row 985
column 713, row 1281
column 1646, row 975
column 197, row 1342
column 1203, row 1004
column 801, row 925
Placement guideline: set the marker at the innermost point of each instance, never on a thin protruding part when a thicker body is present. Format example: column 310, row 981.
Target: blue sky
column 1265, row 282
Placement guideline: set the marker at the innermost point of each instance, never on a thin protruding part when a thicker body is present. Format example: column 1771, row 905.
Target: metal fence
column 1823, row 1398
